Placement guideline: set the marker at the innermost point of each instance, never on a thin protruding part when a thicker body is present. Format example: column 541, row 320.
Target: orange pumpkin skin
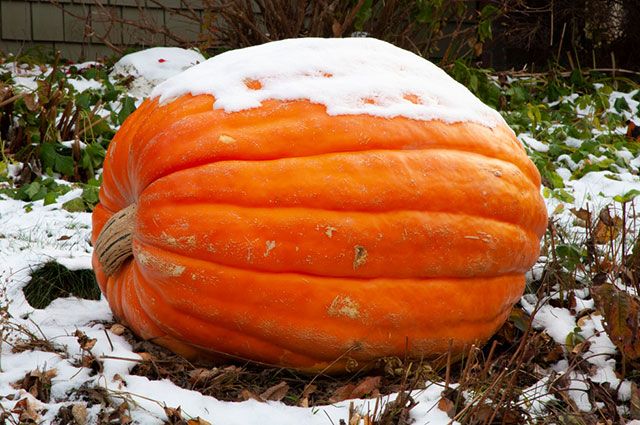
column 287, row 236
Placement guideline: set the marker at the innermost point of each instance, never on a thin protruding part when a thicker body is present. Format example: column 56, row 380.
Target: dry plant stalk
column 449, row 30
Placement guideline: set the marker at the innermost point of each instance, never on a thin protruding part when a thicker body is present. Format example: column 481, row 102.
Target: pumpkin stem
column 113, row 245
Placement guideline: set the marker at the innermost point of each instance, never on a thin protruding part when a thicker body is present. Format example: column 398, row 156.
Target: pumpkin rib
column 187, row 306
column 172, row 314
column 158, row 267
column 262, row 346
column 248, row 231
column 525, row 212
column 311, row 209
column 132, row 310
column 288, row 133
column 163, row 269
column 502, row 173
column 206, row 161
column 307, row 274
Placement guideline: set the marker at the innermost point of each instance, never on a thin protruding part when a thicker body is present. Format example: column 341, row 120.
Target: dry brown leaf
column 121, row 414
column 249, row 395
column 37, row 383
column 621, row 314
column 477, row 48
column 582, row 213
column 117, row 329
column 607, row 230
column 482, row 414
column 447, row 406
column 85, row 342
column 174, row 414
column 202, row 375
column 79, row 413
column 25, row 410
column 354, row 418
column 89, row 344
column 368, row 386
column 276, row 392
column 304, row 398
column 336, row 28
column 582, row 322
column 146, row 357
column 605, row 217
column 198, row 421
column 581, row 347
column 342, row 393
column 30, row 102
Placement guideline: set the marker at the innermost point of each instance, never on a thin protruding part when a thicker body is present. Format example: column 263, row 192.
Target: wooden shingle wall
column 79, row 28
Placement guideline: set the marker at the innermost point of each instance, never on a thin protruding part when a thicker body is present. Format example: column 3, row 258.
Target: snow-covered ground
column 30, row 238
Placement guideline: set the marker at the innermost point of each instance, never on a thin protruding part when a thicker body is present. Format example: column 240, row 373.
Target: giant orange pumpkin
column 249, row 216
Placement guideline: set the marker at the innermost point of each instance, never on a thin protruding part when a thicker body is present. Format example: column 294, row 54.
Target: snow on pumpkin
column 348, row 76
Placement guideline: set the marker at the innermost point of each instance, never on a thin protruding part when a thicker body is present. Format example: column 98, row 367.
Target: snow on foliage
column 150, row 67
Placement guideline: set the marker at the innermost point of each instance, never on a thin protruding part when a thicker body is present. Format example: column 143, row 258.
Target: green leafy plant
column 57, row 130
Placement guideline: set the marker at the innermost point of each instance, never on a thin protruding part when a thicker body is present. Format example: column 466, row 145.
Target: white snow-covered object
column 152, row 66
column 348, row 76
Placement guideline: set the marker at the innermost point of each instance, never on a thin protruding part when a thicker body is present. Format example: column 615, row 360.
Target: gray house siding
column 78, row 28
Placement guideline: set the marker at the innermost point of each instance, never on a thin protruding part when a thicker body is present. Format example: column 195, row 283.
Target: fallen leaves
column 447, row 406
column 26, row 411
column 607, row 228
column 274, row 393
column 117, row 329
column 368, row 386
column 38, row 383
column 621, row 315
column 84, row 341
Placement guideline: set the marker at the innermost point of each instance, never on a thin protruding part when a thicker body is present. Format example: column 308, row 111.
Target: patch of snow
column 573, row 142
column 346, row 75
column 151, row 67
column 88, row 64
column 578, row 390
column 14, row 169
column 563, row 172
column 81, row 84
column 536, row 397
column 557, row 322
column 26, row 83
column 70, row 143
column 624, row 154
column 534, row 144
column 596, row 185
column 628, row 97
column 570, row 162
